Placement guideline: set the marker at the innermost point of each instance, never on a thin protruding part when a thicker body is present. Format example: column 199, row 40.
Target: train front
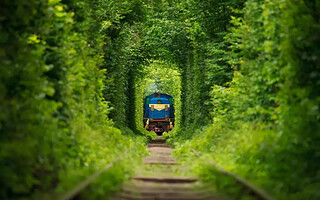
column 158, row 113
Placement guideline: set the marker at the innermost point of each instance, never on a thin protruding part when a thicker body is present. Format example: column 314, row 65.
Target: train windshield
column 159, row 101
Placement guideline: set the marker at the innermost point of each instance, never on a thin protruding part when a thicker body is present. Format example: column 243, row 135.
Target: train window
column 159, row 101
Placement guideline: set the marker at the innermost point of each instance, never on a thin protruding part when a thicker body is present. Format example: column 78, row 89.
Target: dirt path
column 162, row 178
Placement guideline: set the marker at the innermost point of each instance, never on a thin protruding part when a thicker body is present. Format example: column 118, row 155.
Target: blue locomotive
column 158, row 113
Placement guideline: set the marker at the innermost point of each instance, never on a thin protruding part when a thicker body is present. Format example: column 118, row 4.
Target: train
column 158, row 113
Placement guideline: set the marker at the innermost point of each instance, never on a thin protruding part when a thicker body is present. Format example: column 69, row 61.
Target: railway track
column 162, row 178
column 159, row 179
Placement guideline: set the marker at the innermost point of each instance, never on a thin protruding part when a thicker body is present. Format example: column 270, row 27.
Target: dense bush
column 54, row 120
column 266, row 120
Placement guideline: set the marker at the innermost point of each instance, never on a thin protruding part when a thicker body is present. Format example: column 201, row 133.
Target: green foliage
column 244, row 76
column 266, row 120
column 54, row 120
column 122, row 58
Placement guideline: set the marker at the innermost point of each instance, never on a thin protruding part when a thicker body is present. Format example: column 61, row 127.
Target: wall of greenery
column 266, row 119
column 55, row 78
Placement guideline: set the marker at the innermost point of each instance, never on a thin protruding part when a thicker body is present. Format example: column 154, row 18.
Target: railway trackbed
column 162, row 178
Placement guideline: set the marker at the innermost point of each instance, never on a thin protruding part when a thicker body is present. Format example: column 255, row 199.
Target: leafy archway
column 162, row 77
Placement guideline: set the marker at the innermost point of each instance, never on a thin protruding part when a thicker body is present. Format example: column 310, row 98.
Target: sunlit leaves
column 267, row 114
column 54, row 125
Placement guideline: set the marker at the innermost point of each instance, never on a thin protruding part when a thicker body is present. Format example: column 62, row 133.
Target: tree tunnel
column 244, row 76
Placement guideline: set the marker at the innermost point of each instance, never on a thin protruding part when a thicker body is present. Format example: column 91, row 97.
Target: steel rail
column 254, row 189
column 84, row 184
